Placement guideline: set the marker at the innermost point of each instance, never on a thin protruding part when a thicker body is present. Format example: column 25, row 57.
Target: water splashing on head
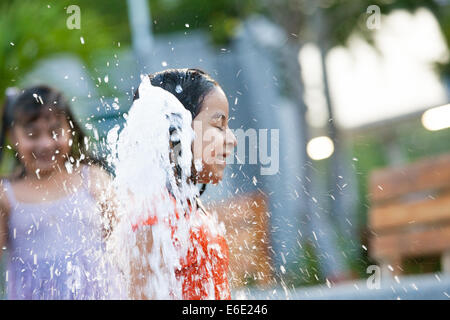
column 152, row 160
column 159, row 235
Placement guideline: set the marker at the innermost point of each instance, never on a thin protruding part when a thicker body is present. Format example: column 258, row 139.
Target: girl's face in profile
column 43, row 142
column 214, row 140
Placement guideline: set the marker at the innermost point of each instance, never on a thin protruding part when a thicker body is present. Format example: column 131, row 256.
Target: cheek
column 24, row 152
column 63, row 144
column 212, row 170
column 25, row 147
column 197, row 143
column 213, row 145
column 197, row 148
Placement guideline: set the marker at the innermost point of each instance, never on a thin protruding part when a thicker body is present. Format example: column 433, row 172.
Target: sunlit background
column 347, row 92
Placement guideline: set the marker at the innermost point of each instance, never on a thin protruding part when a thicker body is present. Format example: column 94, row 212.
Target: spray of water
column 151, row 181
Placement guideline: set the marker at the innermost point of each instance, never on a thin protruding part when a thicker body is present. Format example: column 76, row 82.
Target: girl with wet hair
column 204, row 269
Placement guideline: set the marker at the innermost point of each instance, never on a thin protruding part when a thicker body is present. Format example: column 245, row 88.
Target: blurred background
column 336, row 101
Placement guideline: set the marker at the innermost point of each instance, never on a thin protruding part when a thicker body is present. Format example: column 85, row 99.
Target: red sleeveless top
column 206, row 263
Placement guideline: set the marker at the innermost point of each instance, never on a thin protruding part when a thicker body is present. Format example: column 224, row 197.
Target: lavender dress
column 55, row 249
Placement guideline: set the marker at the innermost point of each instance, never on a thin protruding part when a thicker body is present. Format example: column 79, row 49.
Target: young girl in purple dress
column 51, row 217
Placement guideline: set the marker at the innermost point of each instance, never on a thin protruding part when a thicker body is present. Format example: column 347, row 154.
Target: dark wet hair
column 32, row 103
column 190, row 86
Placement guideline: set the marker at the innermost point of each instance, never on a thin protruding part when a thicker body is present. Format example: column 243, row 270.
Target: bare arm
column 101, row 189
column 140, row 270
column 4, row 215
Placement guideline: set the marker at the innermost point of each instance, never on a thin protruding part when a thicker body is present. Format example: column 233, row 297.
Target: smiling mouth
column 44, row 156
column 223, row 157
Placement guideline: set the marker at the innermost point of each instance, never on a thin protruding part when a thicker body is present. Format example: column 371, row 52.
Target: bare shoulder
column 99, row 174
column 4, row 202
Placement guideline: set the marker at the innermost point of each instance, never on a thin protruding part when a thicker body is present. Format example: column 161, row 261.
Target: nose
column 231, row 138
column 46, row 142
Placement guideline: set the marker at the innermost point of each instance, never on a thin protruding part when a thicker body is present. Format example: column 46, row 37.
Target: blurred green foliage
column 33, row 30
column 220, row 17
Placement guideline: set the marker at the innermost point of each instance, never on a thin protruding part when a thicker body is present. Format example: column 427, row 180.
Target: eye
column 54, row 135
column 31, row 135
column 219, row 121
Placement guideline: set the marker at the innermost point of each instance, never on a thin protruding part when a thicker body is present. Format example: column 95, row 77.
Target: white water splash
column 146, row 185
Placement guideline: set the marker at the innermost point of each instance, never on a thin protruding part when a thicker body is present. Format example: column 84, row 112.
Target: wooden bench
column 246, row 221
column 410, row 213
